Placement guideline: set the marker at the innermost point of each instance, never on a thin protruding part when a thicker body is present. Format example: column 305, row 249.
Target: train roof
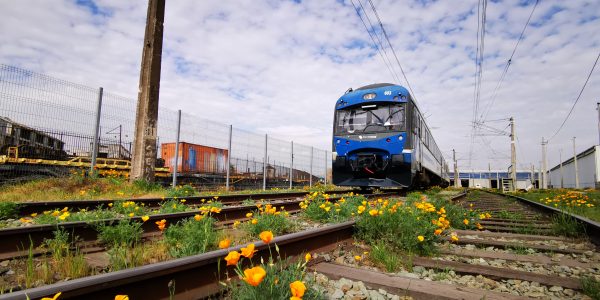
column 378, row 92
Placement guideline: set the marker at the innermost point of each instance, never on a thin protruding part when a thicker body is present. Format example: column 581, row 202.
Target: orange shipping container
column 195, row 158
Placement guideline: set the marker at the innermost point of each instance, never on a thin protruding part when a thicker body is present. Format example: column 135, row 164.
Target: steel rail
column 194, row 277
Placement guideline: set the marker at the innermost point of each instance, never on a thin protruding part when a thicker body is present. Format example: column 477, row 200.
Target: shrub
column 268, row 218
column 8, row 210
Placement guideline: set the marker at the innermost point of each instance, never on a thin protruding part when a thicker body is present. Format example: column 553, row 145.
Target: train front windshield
column 370, row 118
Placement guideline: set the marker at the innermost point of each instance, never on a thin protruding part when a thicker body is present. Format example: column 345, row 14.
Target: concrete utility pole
column 562, row 182
column 456, row 177
column 576, row 169
column 513, row 153
column 176, row 163
column 544, row 177
column 533, row 175
column 144, row 150
column 598, row 109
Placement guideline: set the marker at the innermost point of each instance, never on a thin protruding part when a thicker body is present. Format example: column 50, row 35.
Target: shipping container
column 195, row 158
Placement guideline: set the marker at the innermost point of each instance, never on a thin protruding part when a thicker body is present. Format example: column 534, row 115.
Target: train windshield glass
column 370, row 119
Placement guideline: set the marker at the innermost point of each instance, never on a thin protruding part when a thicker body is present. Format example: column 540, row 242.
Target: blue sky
column 278, row 66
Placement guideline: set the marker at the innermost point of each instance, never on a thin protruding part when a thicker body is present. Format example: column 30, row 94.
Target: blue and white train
column 380, row 139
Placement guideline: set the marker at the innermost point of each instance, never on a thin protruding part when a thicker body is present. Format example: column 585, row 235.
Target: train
column 381, row 140
column 31, row 143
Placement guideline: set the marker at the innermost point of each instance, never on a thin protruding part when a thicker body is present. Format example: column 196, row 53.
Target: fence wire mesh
column 45, row 122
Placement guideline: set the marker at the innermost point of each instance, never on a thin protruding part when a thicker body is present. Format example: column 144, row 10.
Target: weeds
column 591, row 287
column 385, row 256
column 564, row 224
column 123, row 234
column 173, row 206
column 181, row 191
column 191, row 236
column 8, row 210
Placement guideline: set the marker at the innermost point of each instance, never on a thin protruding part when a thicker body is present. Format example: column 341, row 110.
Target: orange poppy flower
column 254, row 276
column 266, row 236
column 298, row 288
column 232, row 258
column 224, row 243
column 248, row 251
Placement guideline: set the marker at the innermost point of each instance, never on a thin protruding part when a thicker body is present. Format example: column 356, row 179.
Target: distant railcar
column 380, row 139
column 30, row 142
column 195, row 158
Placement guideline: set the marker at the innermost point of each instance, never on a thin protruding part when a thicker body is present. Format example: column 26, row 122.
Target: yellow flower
column 34, row 215
column 357, row 257
column 232, row 258
column 121, row 297
column 197, row 217
column 437, row 232
column 110, row 205
column 266, row 236
column 297, row 288
column 65, row 209
column 254, row 276
column 145, row 218
column 53, row 298
column 55, row 213
column 223, row 244
column 248, row 251
column 236, row 224
column 249, row 215
column 254, row 221
column 307, row 257
column 182, row 200
column 373, row 212
column 161, row 224
column 466, row 221
column 454, row 238
column 420, row 238
column 23, row 220
column 131, row 214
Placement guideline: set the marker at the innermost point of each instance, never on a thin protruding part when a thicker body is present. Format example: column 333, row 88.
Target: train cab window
column 370, row 118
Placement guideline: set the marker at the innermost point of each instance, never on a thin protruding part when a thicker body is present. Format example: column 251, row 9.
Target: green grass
column 190, row 237
column 385, row 256
column 591, row 287
column 123, row 234
column 8, row 210
column 592, row 213
column 566, row 225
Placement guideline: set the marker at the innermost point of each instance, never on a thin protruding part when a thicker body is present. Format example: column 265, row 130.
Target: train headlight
column 369, row 96
column 334, row 155
column 400, row 138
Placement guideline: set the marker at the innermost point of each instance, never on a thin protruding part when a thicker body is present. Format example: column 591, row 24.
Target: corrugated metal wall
column 587, row 163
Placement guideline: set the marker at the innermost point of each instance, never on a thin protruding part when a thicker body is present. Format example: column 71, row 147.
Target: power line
column 393, row 51
column 508, row 63
column 480, row 45
column 386, row 62
column 579, row 96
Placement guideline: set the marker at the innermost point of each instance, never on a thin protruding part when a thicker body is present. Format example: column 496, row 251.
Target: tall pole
column 265, row 164
column 291, row 164
column 543, row 167
column 576, row 169
column 513, row 153
column 489, row 176
column 96, row 131
column 176, row 165
column 533, row 175
column 310, row 170
column 144, row 150
column 561, row 170
column 456, row 177
column 540, row 177
column 326, row 161
column 228, row 157
column 598, row 109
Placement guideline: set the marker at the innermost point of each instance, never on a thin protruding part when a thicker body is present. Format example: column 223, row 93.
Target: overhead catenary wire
column 480, row 46
column 412, row 92
column 387, row 62
column 578, row 97
column 506, row 67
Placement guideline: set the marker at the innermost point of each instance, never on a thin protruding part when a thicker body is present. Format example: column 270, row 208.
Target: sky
column 279, row 66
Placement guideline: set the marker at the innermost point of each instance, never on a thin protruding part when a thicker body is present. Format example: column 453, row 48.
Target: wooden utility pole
column 144, row 149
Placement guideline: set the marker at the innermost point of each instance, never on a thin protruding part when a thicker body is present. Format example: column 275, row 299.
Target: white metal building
column 588, row 164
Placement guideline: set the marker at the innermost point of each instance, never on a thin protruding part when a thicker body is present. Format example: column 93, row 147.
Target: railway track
column 16, row 242
column 511, row 258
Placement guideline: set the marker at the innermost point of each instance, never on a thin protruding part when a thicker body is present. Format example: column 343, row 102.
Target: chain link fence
column 47, row 128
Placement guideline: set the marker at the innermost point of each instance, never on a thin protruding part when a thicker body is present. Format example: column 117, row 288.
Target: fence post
column 228, row 157
column 265, row 164
column 291, row 177
column 311, row 163
column 177, row 149
column 325, row 177
column 96, row 131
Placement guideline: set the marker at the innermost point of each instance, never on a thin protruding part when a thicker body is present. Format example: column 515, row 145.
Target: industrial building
column 588, row 164
column 493, row 179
